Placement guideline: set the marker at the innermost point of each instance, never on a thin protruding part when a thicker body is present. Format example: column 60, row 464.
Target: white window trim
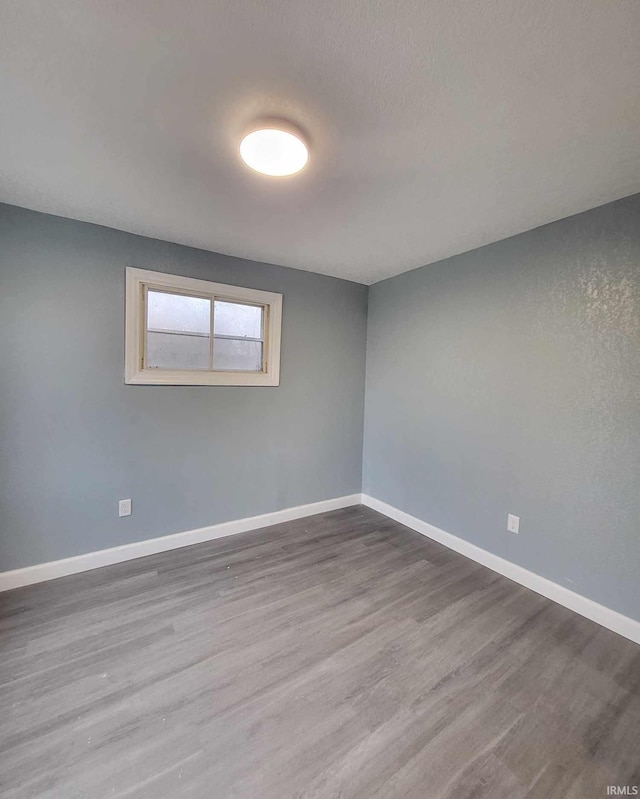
column 138, row 279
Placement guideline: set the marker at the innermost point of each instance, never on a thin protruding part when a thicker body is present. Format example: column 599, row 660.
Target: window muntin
column 170, row 321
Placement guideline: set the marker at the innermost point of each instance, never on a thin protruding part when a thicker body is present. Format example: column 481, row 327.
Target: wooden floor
column 335, row 656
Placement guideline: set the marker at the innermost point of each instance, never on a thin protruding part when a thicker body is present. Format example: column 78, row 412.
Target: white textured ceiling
column 436, row 126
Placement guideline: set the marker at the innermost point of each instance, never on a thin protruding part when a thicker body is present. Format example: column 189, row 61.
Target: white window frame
column 139, row 281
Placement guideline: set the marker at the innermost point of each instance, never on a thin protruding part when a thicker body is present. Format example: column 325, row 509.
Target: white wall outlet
column 124, row 507
column 513, row 523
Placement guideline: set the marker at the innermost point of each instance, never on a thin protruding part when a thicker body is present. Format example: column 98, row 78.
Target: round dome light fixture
column 274, row 147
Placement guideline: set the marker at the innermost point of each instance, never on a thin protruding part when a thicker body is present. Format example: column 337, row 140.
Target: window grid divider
column 211, row 329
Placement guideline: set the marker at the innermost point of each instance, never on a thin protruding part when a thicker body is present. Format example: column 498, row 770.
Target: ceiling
column 436, row 126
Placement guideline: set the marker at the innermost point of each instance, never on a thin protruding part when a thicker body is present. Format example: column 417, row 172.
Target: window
column 182, row 331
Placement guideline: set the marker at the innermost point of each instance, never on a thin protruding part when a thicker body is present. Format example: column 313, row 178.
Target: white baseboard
column 138, row 549
column 611, row 619
column 623, row 625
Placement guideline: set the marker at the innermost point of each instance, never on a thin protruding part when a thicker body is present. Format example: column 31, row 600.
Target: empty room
column 320, row 399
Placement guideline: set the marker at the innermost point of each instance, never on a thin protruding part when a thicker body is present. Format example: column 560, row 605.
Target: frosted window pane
column 178, row 312
column 236, row 355
column 234, row 319
column 177, row 351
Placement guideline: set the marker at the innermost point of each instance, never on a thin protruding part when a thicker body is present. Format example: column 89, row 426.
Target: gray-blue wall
column 75, row 439
column 505, row 379
column 508, row 380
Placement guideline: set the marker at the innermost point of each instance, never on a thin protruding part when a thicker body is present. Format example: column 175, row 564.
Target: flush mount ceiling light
column 274, row 147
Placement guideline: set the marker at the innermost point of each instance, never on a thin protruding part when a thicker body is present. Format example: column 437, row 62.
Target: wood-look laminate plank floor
column 340, row 655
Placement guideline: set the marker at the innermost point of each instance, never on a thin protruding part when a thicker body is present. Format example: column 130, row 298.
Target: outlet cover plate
column 124, row 507
column 513, row 523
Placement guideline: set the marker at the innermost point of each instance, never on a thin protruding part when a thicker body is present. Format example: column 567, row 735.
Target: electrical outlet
column 124, row 507
column 513, row 523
